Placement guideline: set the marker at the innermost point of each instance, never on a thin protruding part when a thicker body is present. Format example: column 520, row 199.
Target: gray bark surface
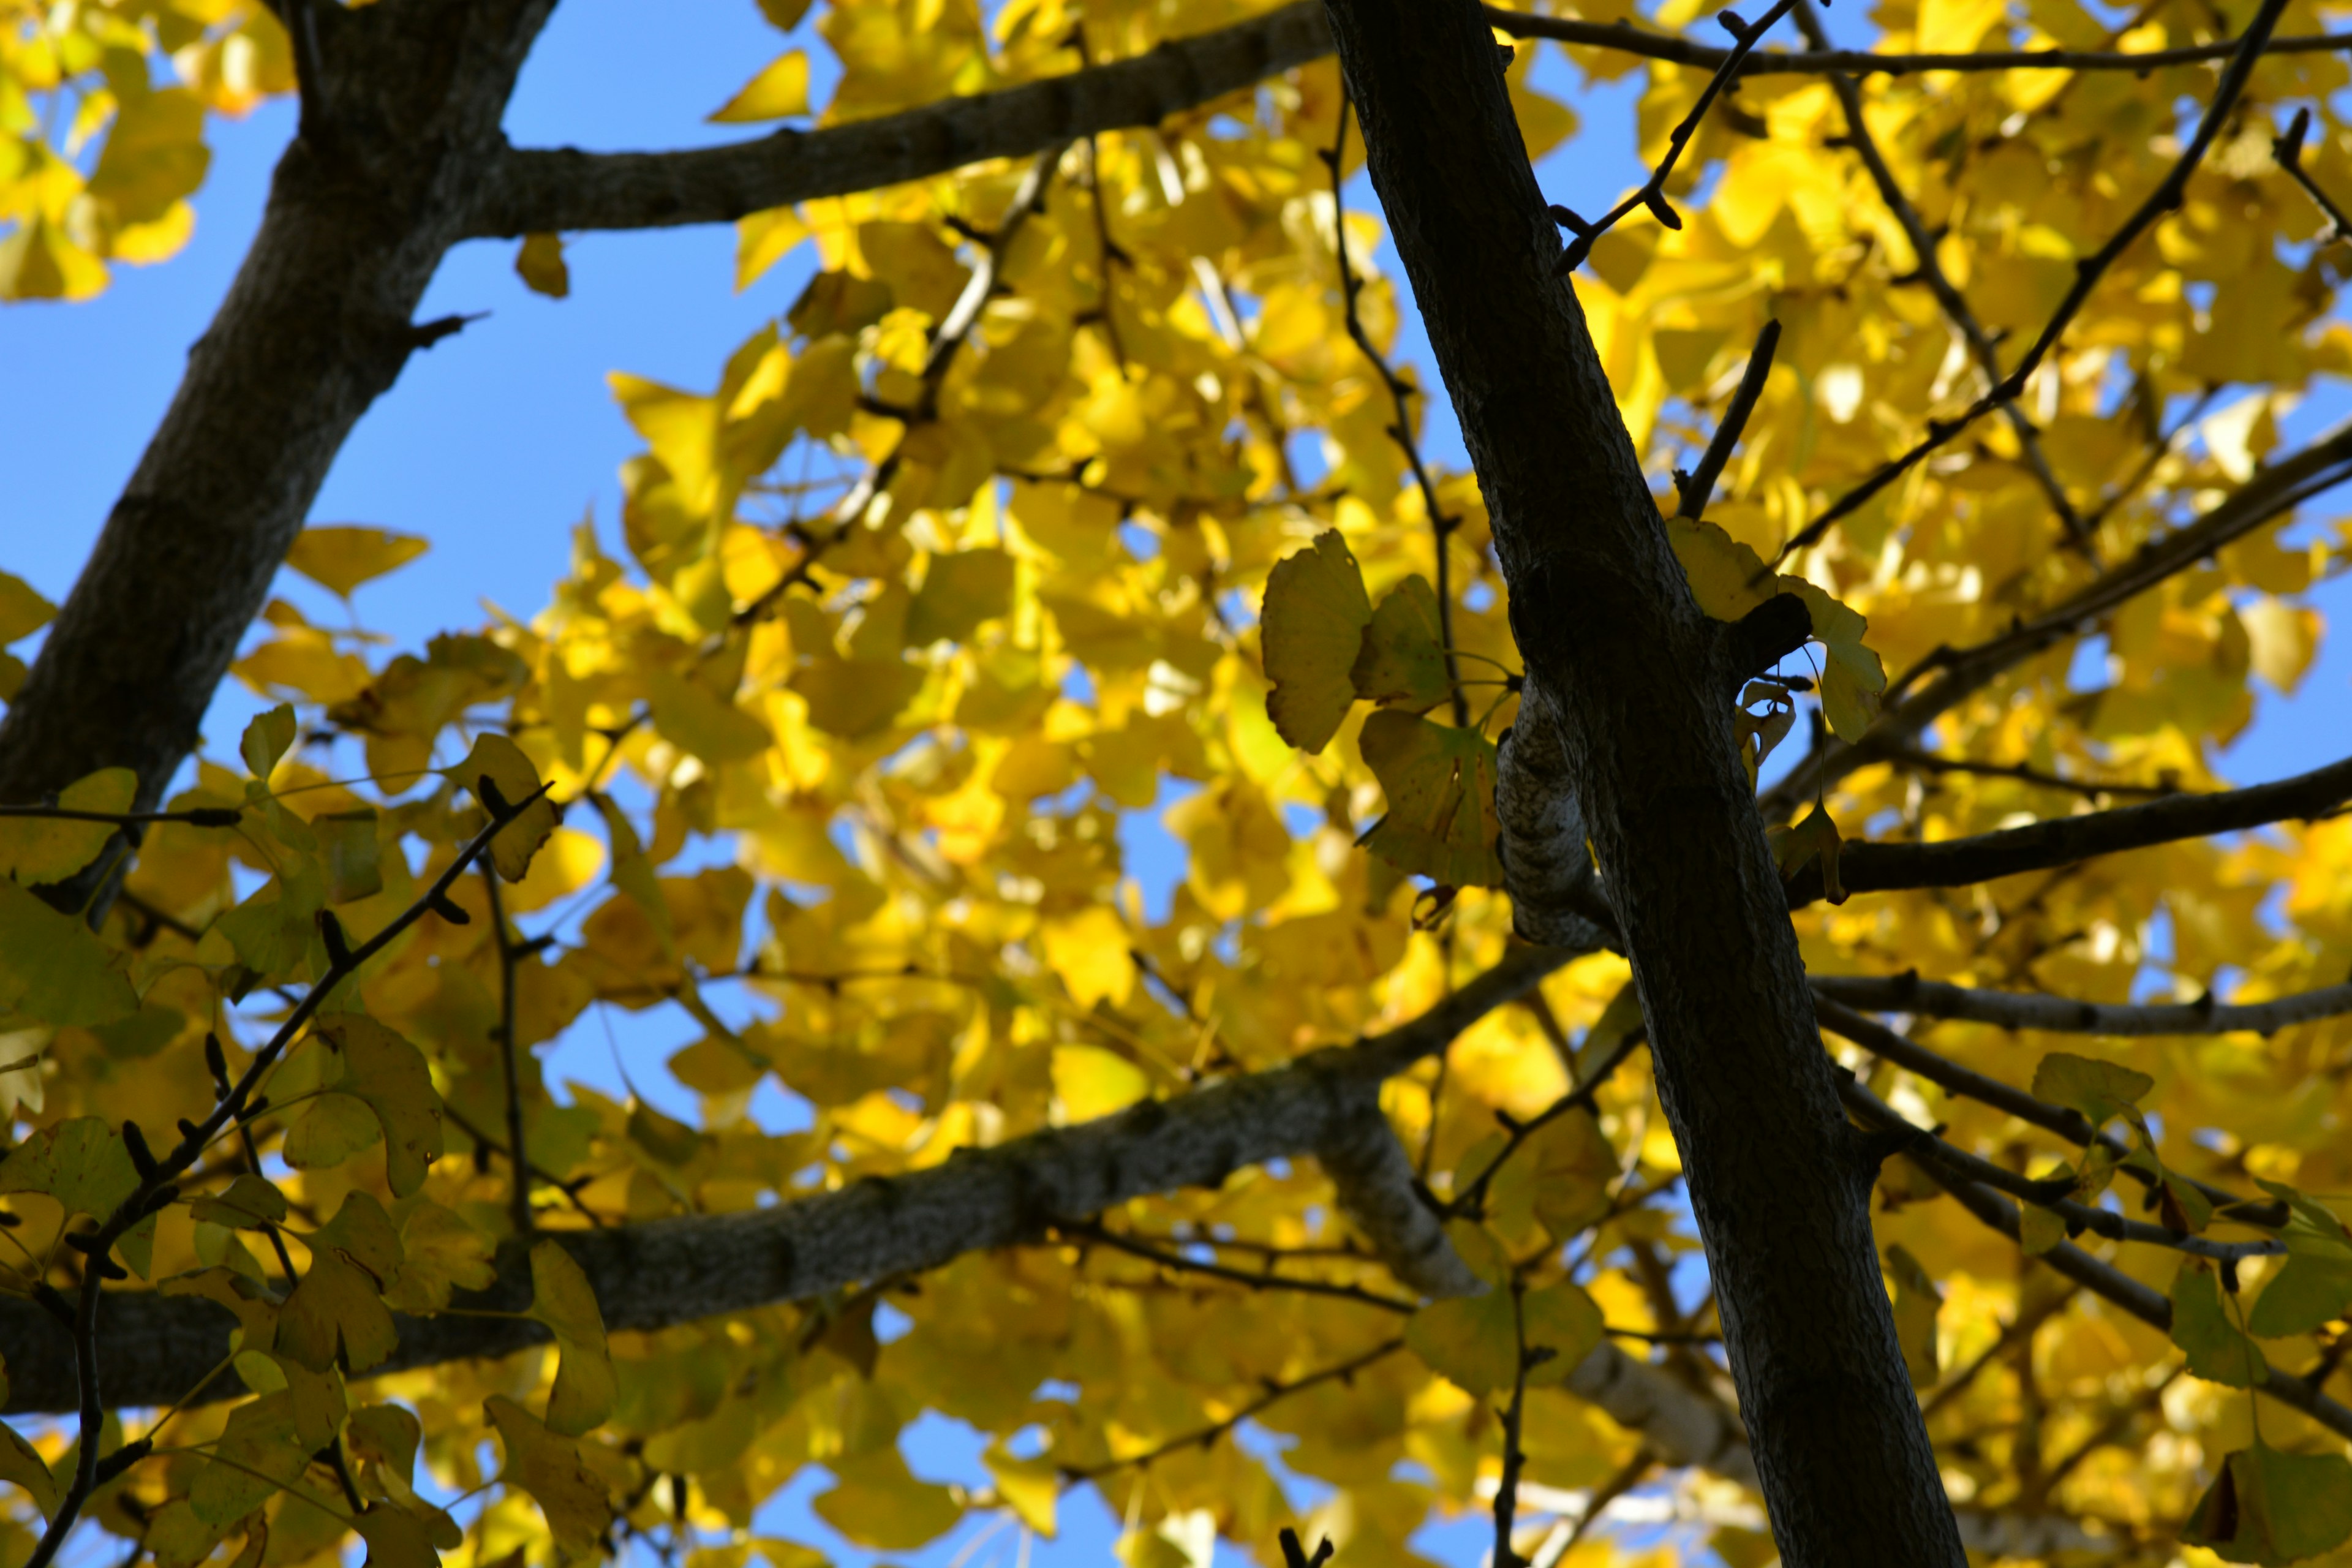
column 1630, row 679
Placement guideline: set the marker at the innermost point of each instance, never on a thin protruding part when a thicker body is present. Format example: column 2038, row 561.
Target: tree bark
column 1628, row 706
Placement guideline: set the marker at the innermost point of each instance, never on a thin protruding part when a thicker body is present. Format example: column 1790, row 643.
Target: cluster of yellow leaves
column 97, row 156
column 913, row 652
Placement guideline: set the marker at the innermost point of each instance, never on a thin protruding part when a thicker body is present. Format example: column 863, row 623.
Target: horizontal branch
column 2269, row 494
column 2061, row 1015
column 543, row 191
column 2045, row 845
column 155, row 1348
column 1622, row 39
column 2142, row 1301
column 1955, row 1164
column 556, row 190
column 2063, row 1119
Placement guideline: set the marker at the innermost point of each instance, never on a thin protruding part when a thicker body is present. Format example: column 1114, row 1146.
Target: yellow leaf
column 1563, row 1320
column 154, row 155
column 396, row 1538
column 1090, row 1082
column 1439, row 784
column 855, row 697
column 1314, row 619
column 539, row 264
column 388, row 1075
column 22, row 1463
column 350, row 854
column 1726, row 578
column 513, row 780
column 1816, row 837
column 960, row 590
column 779, row 91
column 340, row 557
column 561, row 1298
column 763, row 240
column 547, row 1465
column 2099, row 1090
column 878, row 1503
column 1031, row 1487
column 1090, row 951
column 23, row 612
column 267, row 738
column 36, row 849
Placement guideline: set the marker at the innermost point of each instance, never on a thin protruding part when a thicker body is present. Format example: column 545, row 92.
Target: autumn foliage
column 1079, row 486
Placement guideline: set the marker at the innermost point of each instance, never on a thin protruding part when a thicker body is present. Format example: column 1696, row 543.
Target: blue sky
column 499, row 439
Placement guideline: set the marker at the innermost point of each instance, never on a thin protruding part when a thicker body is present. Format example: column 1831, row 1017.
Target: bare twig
column 1695, row 490
column 1207, row 1436
column 1093, row 1232
column 518, row 1159
column 1907, row 993
column 2288, row 151
column 1442, row 524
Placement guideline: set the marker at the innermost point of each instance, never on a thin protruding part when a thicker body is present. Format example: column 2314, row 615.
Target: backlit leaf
column 1439, row 784
column 564, row 1301
column 1401, row 660
column 547, row 1464
column 36, row 849
column 1313, row 627
column 340, row 557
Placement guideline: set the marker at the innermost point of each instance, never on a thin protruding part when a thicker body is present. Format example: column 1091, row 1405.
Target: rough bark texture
column 1627, row 679
column 315, row 327
column 547, row 190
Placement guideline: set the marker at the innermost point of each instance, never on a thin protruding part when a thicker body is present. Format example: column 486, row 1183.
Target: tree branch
column 539, row 191
column 1907, row 993
column 2061, row 841
column 674, row 1270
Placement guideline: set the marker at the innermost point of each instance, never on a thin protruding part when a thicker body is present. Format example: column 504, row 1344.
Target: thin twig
column 1651, row 192
column 1090, row 1231
column 1469, row 1200
column 1506, row 1492
column 1928, row 762
column 1907, row 993
column 1695, row 490
column 1440, row 523
column 1207, row 1436
column 2288, row 151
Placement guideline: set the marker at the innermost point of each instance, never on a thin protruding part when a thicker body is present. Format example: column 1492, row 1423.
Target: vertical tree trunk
column 1627, row 705
column 400, row 118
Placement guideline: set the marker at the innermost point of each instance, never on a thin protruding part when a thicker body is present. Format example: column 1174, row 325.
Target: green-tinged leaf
column 538, row 262
column 1439, row 784
column 2202, row 1326
column 341, row 557
column 396, row 1538
column 249, row 1203
column 54, row 968
column 855, row 698
column 1560, row 1177
column 561, row 1298
column 2271, row 1507
column 441, row 1252
column 337, row 1313
column 1312, row 629
column 350, row 854
column 268, row 738
column 2302, row 1296
column 260, row 1453
column 34, row 850
column 82, row 1163
column 1916, row 1302
column 329, row 1130
column 2096, row 1088
column 1401, row 662
column 691, row 716
column 388, row 1075
column 547, row 1464
column 960, row 590
column 515, row 781
column 23, row 612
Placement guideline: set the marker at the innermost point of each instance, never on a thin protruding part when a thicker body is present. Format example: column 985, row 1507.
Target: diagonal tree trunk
column 1627, row 708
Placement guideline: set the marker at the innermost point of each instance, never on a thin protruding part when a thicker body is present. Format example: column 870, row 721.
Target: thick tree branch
column 155, row 1348
column 2062, row 1014
column 2063, row 841
column 553, row 190
column 1623, row 709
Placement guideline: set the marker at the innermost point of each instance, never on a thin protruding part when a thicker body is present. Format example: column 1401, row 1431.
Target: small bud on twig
column 141, row 1158
column 330, row 933
column 1568, row 218
column 1732, row 22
